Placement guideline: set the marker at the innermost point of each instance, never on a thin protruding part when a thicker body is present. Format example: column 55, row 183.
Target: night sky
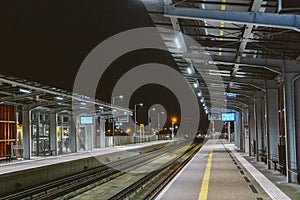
column 47, row 40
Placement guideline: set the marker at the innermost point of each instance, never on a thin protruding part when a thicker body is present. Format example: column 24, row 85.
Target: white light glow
column 189, row 70
column 59, row 98
column 218, row 74
column 240, row 76
column 219, row 71
column 177, row 43
column 24, row 91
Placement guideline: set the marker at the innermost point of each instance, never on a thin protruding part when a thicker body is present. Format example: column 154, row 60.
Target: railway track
column 150, row 185
column 99, row 175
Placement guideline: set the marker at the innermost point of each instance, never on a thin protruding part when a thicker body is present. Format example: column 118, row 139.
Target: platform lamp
column 174, row 120
column 139, row 104
column 113, row 120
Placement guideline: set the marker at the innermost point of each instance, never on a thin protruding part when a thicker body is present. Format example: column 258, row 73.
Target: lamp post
column 174, row 120
column 149, row 123
column 158, row 121
column 113, row 119
column 113, row 98
column 173, row 130
column 139, row 104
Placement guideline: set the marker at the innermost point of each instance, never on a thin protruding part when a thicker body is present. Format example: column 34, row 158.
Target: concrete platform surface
column 218, row 172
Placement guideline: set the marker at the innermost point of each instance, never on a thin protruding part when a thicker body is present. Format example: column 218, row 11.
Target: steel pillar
column 259, row 132
column 290, row 127
column 296, row 88
column 272, row 125
column 252, row 130
column 53, row 134
column 238, row 130
column 26, row 133
column 245, row 142
column 102, row 132
column 73, row 135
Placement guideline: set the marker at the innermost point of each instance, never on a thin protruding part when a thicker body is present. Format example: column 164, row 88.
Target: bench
column 6, row 158
column 274, row 160
column 263, row 155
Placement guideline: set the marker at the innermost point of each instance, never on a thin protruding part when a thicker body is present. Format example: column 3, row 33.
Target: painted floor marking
column 205, row 182
column 270, row 188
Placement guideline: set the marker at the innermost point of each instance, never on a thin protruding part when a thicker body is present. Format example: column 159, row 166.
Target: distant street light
column 174, row 120
column 113, row 98
column 113, row 120
column 139, row 104
column 158, row 122
column 149, row 122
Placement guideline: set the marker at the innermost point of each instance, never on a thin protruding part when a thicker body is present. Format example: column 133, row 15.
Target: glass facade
column 7, row 129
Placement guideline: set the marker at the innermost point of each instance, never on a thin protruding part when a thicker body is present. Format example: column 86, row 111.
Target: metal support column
column 245, row 126
column 53, row 134
column 252, row 130
column 26, row 133
column 296, row 88
column 238, row 130
column 272, row 125
column 290, row 127
column 73, row 135
column 102, row 132
column 259, row 132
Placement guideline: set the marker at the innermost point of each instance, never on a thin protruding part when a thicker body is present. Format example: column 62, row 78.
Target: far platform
column 19, row 165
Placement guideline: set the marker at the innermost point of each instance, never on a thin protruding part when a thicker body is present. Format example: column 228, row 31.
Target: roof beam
column 274, row 65
column 288, row 21
column 246, row 36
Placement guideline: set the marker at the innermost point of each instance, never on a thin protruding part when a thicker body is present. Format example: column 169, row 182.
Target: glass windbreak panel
column 63, row 133
column 82, row 138
column 40, row 134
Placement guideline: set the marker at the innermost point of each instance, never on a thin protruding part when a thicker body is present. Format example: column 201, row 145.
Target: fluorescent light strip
column 219, row 71
column 24, row 91
column 218, row 74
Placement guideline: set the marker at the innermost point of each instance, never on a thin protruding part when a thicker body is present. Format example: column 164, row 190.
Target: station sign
column 122, row 119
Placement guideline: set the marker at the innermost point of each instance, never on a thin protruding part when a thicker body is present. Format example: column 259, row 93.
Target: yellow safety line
column 205, row 182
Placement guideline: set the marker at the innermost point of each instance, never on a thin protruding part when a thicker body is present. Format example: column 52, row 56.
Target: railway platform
column 35, row 162
column 21, row 175
column 219, row 172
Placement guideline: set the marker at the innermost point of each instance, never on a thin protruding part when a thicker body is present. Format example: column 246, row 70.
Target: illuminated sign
column 86, row 120
column 227, row 117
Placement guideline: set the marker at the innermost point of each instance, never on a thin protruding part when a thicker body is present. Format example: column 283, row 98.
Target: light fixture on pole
column 158, row 121
column 139, row 104
column 113, row 98
column 174, row 120
column 113, row 119
column 149, row 121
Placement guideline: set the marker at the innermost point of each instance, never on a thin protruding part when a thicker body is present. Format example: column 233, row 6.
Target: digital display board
column 86, row 120
column 227, row 117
